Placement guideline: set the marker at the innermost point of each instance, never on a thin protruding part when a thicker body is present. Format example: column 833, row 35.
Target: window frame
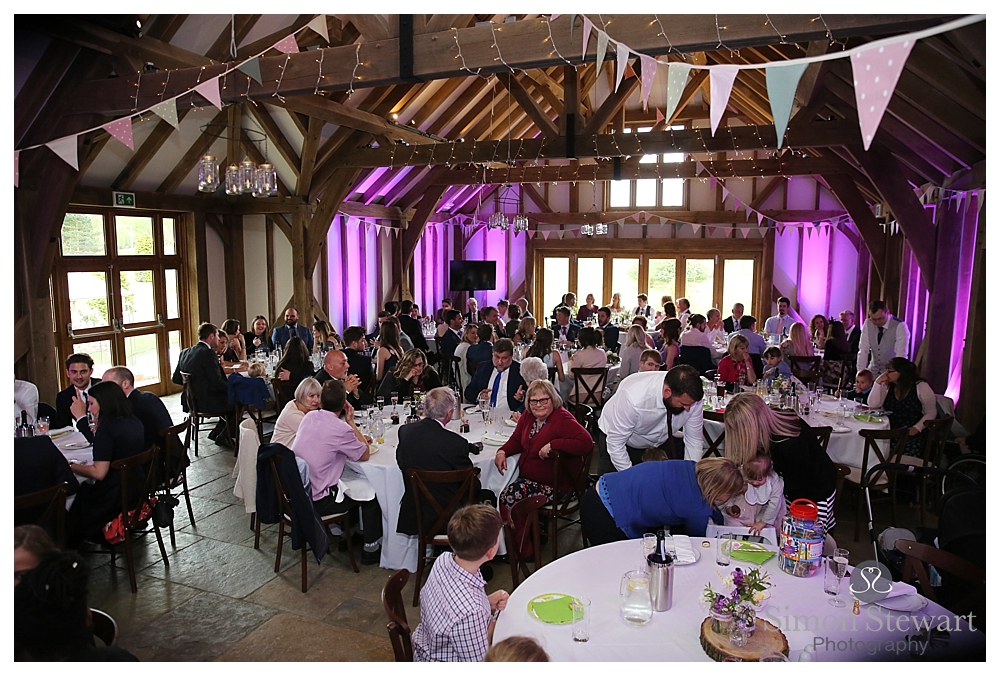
column 633, row 183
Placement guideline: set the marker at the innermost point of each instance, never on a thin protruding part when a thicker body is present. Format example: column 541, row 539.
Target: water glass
column 831, row 582
column 581, row 619
column 648, row 546
column 380, row 401
column 43, row 424
column 394, row 398
column 725, row 548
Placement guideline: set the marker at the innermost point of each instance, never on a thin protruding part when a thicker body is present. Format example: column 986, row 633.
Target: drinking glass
column 394, row 398
column 380, row 400
column 581, row 619
column 43, row 424
column 839, row 565
column 842, row 415
column 648, row 546
column 724, row 549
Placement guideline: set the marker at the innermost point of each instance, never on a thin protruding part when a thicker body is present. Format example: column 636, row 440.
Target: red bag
column 114, row 530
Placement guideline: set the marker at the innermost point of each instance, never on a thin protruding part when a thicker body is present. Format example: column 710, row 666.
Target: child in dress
column 764, row 501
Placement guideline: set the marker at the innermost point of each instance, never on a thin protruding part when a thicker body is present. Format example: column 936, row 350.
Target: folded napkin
column 552, row 608
column 683, row 551
column 752, row 552
column 865, row 417
column 901, row 589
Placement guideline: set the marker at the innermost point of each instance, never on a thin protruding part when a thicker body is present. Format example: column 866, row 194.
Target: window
column 134, row 235
column 625, row 280
column 738, row 276
column 648, row 192
column 590, row 279
column 662, row 280
column 83, row 235
column 556, row 279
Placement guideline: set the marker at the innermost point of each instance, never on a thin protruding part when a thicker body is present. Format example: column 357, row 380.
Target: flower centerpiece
column 743, row 593
column 613, row 358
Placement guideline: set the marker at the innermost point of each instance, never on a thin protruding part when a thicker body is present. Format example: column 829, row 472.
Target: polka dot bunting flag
column 122, row 130
column 876, row 72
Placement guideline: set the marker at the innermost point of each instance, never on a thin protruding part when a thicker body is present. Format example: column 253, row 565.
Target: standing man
column 852, row 330
column 337, row 367
column 501, row 380
column 882, row 337
column 781, row 323
column 449, row 341
column 610, row 331
column 645, row 412
column 568, row 300
column 564, row 330
column 732, row 323
column 290, row 328
column 146, row 406
column 411, row 326
column 210, row 387
column 642, row 309
column 472, row 316
column 79, row 369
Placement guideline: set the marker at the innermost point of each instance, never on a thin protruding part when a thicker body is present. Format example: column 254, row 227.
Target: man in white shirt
column 684, row 305
column 642, row 309
column 25, row 399
column 696, row 335
column 500, row 380
column 781, row 323
column 714, row 328
column 882, row 337
column 646, row 411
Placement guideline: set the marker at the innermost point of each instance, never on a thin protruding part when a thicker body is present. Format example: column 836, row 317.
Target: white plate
column 60, row 433
column 842, row 430
column 509, row 423
column 697, row 558
column 905, row 603
column 494, row 440
column 74, row 445
column 474, row 409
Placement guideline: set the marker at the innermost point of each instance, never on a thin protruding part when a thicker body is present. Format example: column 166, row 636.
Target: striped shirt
column 454, row 615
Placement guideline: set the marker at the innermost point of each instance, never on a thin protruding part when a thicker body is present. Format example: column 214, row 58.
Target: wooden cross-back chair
column 398, row 626
column 806, row 369
column 141, row 490
column 196, row 417
column 714, row 444
column 284, row 392
column 423, row 498
column 565, row 507
column 593, row 387
column 918, row 556
column 53, row 517
column 526, row 510
column 173, row 468
column 880, row 480
column 937, row 431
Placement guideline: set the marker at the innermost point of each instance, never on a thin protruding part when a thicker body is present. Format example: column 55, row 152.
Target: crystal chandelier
column 246, row 178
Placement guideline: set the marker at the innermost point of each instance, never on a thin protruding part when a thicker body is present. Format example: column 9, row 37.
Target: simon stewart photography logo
column 871, row 582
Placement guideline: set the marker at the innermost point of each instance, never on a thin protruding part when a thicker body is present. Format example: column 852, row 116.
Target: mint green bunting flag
column 782, row 81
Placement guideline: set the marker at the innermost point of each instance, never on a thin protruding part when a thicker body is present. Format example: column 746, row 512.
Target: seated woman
column 587, row 310
column 118, row 435
column 470, row 336
column 616, row 306
column 525, row 331
column 544, row 349
column 670, row 331
column 641, row 321
column 412, row 373
column 631, row 351
column 260, row 338
column 295, row 364
column 801, row 343
column 514, row 323
column 307, row 398
column 624, row 505
column 838, row 348
column 544, row 427
column 736, row 366
column 389, row 351
column 819, row 330
column 237, row 348
column 808, row 472
column 908, row 398
column 324, row 337
column 590, row 356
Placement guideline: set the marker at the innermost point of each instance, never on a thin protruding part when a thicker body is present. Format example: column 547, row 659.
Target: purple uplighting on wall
column 815, row 262
column 969, row 222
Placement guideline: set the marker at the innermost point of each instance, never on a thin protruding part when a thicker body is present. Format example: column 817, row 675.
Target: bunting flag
column 646, row 81
column 287, row 45
column 782, row 81
column 695, row 227
column 318, row 26
column 698, row 168
column 17, row 167
column 736, row 203
column 628, row 69
column 725, row 194
column 635, row 216
column 621, row 52
column 587, row 27
column 65, row 148
column 210, row 90
column 760, row 218
column 722, row 78
column 745, row 232
column 252, row 69
column 748, row 210
column 602, row 49
column 168, row 112
column 711, row 231
column 876, row 72
column 545, row 235
column 781, row 230
column 659, row 116
column 553, row 17
column 121, row 129
column 646, row 215
column 677, row 76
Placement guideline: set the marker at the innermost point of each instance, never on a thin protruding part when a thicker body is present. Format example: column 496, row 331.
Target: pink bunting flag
column 588, row 25
column 65, row 148
column 545, row 235
column 698, row 168
column 711, row 231
column 781, row 230
column 629, row 72
column 122, row 130
column 287, row 45
column 553, row 17
column 659, row 116
column 635, row 217
column 725, row 194
column 712, row 182
column 736, row 203
column 318, row 26
column 210, row 90
column 646, row 82
column 17, row 167
column 748, row 210
column 760, row 218
column 646, row 215
column 622, row 57
column 876, row 72
column 745, row 232
column 721, row 86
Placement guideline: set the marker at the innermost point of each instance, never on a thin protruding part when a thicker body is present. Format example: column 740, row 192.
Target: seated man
column 455, row 624
column 359, row 363
column 500, row 380
column 326, row 440
column 79, row 368
column 38, row 465
column 429, row 445
column 146, row 406
column 482, row 351
column 210, row 387
column 337, row 367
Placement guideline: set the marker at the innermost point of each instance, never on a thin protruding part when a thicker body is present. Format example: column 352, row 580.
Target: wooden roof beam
column 277, row 137
column 846, row 191
column 346, row 116
column 141, row 158
column 190, row 158
column 528, row 104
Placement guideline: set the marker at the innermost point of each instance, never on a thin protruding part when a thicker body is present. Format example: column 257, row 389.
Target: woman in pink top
column 591, row 356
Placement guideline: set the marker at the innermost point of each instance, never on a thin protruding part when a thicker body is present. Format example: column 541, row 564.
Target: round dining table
column 399, row 550
column 75, row 448
column 797, row 606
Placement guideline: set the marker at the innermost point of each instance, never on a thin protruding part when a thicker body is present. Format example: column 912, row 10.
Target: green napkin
column 865, row 417
column 752, row 552
column 552, row 608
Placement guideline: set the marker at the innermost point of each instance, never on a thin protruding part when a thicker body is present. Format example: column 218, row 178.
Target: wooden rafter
column 44, row 78
column 310, row 144
column 190, row 158
column 373, row 27
column 846, row 191
column 702, row 217
column 528, row 104
column 146, row 152
column 260, row 44
column 611, row 105
column 276, row 136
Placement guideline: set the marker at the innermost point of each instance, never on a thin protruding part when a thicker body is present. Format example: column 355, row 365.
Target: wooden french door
column 117, row 293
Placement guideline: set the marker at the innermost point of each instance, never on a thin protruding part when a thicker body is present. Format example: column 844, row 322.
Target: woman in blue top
column 624, row 505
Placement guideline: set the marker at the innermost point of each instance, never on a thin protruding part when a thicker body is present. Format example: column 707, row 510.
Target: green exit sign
column 124, row 199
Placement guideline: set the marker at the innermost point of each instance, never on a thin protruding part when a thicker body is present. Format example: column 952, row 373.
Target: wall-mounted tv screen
column 473, row 275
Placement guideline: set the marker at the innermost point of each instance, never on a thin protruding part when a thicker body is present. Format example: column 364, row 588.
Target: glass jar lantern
column 233, row 186
column 208, row 174
column 266, row 184
column 248, row 174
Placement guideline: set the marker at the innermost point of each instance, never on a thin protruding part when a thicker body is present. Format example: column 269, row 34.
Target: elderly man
column 472, row 316
column 211, row 389
column 326, row 440
column 337, row 367
column 684, row 305
column 500, row 380
column 79, row 369
column 781, row 323
column 645, row 412
column 290, row 328
column 430, row 445
column 851, row 329
column 732, row 323
column 882, row 338
column 146, row 406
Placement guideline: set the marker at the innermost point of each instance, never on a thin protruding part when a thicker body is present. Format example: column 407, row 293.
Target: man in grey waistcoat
column 883, row 337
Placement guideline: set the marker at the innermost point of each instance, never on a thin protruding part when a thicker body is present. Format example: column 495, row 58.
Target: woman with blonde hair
column 544, row 427
column 631, row 352
column 616, row 303
column 525, row 331
column 808, row 472
column 307, row 398
column 516, row 649
column 671, row 492
column 801, row 343
column 412, row 373
column 736, row 365
column 470, row 337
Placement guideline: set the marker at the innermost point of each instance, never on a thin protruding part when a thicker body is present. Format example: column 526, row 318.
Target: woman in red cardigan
column 737, row 363
column 544, row 427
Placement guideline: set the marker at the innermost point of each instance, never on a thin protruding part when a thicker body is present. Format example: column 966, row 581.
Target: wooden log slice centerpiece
column 765, row 640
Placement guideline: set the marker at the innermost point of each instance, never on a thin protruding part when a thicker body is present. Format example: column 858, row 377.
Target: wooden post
column 972, row 398
column 201, row 258
column 236, row 282
column 300, row 280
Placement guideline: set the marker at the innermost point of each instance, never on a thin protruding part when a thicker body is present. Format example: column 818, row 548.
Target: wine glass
column 394, row 397
column 380, row 401
column 840, row 569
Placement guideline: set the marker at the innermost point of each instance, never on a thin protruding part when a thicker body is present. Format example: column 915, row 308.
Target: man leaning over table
column 645, row 412
column 882, row 337
column 337, row 367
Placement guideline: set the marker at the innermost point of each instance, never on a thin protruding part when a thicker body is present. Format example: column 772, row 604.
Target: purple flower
column 738, row 577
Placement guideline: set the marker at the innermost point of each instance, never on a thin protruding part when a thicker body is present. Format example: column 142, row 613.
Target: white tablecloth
column 844, row 447
column 398, row 550
column 674, row 635
column 82, row 451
